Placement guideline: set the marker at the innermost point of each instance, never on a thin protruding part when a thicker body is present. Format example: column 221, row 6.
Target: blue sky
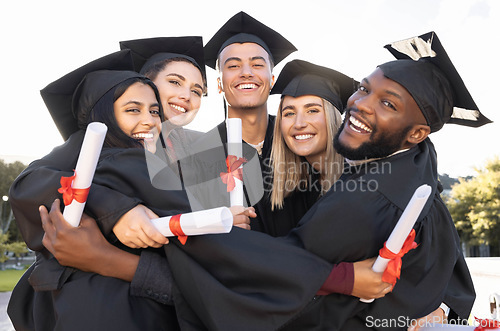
column 43, row 40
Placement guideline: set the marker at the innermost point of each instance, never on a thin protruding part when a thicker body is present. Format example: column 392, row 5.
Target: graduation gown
column 43, row 288
column 204, row 163
column 279, row 222
column 241, row 279
column 39, row 182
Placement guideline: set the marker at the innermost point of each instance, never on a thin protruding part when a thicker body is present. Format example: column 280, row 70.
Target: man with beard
column 388, row 120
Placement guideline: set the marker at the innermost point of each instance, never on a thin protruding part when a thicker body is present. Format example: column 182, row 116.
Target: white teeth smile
column 179, row 108
column 246, row 86
column 303, row 136
column 143, row 135
column 358, row 126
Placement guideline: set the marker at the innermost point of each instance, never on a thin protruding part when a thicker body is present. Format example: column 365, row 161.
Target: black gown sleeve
column 358, row 233
column 126, row 171
column 245, row 274
column 243, row 280
column 38, row 184
column 153, row 279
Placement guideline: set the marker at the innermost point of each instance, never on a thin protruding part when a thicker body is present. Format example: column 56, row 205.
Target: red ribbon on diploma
column 486, row 324
column 175, row 227
column 233, row 164
column 393, row 270
column 69, row 193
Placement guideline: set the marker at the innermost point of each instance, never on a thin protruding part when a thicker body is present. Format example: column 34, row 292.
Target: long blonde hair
column 290, row 171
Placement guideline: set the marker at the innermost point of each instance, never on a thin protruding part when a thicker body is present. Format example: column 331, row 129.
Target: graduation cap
column 243, row 28
column 58, row 95
column 93, row 87
column 300, row 77
column 147, row 52
column 426, row 71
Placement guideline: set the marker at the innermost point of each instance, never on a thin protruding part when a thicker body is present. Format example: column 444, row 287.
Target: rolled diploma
column 403, row 227
column 85, row 168
column 216, row 220
column 234, row 147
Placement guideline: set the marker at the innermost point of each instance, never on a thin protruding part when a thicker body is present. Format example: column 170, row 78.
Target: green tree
column 4, row 248
column 8, row 173
column 447, row 181
column 18, row 248
column 475, row 207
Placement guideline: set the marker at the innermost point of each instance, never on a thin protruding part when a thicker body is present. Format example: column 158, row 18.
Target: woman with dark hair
column 131, row 109
column 38, row 184
column 116, row 135
column 128, row 103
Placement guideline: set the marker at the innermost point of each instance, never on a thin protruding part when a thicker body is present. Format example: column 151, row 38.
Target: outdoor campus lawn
column 9, row 279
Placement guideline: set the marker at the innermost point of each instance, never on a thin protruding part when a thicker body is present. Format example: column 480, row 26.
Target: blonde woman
column 303, row 160
column 303, row 143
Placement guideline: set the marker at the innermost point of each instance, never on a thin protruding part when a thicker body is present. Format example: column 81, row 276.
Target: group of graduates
column 321, row 195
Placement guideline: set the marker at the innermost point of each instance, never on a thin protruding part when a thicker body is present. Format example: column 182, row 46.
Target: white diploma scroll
column 403, row 227
column 85, row 168
column 216, row 220
column 234, row 147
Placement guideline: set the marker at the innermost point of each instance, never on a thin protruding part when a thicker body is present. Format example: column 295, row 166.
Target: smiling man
column 385, row 139
column 375, row 130
column 244, row 51
column 388, row 119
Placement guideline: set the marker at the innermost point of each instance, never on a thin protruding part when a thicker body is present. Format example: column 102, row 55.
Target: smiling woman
column 128, row 103
column 181, row 87
column 131, row 110
column 137, row 113
column 303, row 126
column 312, row 98
column 176, row 65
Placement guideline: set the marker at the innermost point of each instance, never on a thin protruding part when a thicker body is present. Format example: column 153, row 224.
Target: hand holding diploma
column 216, row 220
column 75, row 188
column 401, row 239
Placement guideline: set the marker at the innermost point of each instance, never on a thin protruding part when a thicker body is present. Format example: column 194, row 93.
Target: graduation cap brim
column 428, row 47
column 146, row 51
column 300, row 77
column 243, row 28
column 58, row 94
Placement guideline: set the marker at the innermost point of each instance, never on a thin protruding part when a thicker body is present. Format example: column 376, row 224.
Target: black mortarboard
column 58, row 95
column 147, row 51
column 93, row 87
column 243, row 28
column 426, row 71
column 300, row 77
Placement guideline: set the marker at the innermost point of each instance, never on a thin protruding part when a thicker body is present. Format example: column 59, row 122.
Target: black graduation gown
column 206, row 160
column 240, row 280
column 38, row 184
